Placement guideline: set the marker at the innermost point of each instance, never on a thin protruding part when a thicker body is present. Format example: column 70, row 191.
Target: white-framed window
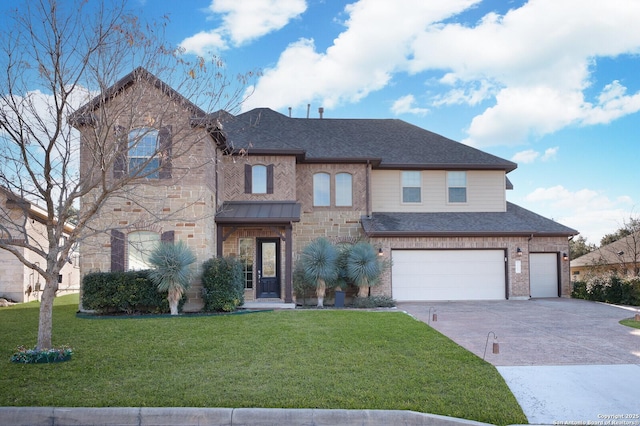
column 143, row 145
column 344, row 189
column 457, row 187
column 258, row 179
column 245, row 251
column 411, row 186
column 141, row 244
column 321, row 189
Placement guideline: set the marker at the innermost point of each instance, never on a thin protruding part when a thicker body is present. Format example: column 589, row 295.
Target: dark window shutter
column 167, row 237
column 117, row 251
column 247, row 179
column 122, row 146
column 164, row 136
column 270, row 179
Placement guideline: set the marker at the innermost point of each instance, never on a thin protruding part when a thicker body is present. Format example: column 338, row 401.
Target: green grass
column 287, row 359
column 630, row 322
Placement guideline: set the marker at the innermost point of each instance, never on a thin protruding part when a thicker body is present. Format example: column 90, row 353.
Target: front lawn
column 288, row 359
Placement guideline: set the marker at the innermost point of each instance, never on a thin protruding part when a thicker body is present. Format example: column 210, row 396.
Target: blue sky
column 553, row 85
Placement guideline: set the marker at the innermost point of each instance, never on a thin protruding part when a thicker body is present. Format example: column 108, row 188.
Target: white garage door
column 543, row 275
column 448, row 275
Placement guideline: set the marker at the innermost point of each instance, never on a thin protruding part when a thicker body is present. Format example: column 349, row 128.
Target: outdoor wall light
column 519, row 252
column 380, row 252
column 565, row 257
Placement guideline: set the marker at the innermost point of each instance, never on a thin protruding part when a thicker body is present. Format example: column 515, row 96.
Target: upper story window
column 258, row 179
column 411, row 186
column 457, row 187
column 321, row 189
column 141, row 244
column 344, row 189
column 143, row 145
column 143, row 152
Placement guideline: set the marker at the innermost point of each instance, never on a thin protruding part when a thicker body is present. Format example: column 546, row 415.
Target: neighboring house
column 435, row 207
column 18, row 282
column 621, row 257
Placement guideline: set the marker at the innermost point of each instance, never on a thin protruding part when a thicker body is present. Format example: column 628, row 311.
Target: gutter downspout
column 368, row 189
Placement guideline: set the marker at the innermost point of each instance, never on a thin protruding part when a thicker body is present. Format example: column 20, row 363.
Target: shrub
column 122, row 292
column 171, row 272
column 222, row 284
column 609, row 289
column 374, row 302
column 302, row 288
column 33, row 356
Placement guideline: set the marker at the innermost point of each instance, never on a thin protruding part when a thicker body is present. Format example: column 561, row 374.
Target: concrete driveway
column 565, row 360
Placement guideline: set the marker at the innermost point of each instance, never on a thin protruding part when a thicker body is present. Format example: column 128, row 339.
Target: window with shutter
column 117, row 251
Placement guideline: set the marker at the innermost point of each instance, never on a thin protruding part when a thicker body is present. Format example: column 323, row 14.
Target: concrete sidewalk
column 130, row 416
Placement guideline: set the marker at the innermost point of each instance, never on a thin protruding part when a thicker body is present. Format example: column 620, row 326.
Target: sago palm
column 363, row 267
column 319, row 263
column 171, row 272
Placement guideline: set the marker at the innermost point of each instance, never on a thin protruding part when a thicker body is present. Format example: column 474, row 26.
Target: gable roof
column 84, row 114
column 622, row 251
column 514, row 221
column 386, row 143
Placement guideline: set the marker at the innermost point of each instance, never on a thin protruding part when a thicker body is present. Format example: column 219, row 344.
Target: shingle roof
column 625, row 250
column 243, row 212
column 388, row 143
column 515, row 221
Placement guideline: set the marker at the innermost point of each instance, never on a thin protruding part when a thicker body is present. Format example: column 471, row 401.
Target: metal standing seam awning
column 266, row 213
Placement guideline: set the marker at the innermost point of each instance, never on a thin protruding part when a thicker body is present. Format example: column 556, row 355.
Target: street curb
column 184, row 416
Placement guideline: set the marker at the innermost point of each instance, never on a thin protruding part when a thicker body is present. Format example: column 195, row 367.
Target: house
column 272, row 183
column 621, row 257
column 18, row 282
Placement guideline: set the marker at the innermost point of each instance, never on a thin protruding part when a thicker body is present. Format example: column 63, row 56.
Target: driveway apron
column 567, row 361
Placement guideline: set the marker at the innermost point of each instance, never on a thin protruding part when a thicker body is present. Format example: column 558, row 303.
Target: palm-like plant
column 363, row 267
column 319, row 264
column 171, row 272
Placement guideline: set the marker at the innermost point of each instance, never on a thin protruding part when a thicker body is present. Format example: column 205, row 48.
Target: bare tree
column 58, row 56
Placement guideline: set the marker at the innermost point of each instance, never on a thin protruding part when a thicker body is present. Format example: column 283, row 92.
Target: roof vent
column 320, row 111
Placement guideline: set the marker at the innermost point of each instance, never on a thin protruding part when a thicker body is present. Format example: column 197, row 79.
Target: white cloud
column 406, row 105
column 525, row 157
column 590, row 212
column 532, row 63
column 550, row 153
column 362, row 59
column 242, row 22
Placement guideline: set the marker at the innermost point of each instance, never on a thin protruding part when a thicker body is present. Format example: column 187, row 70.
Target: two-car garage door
column 448, row 275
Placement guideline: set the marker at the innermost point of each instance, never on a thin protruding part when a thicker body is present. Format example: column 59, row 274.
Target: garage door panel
column 448, row 274
column 543, row 274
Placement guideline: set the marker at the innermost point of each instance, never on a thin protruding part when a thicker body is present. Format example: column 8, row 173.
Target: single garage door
column 543, row 274
column 448, row 275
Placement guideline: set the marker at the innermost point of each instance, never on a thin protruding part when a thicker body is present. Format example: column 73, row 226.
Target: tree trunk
column 173, row 296
column 320, row 292
column 363, row 291
column 45, row 322
column 363, row 288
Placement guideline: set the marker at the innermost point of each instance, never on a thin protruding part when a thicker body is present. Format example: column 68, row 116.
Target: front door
column 268, row 267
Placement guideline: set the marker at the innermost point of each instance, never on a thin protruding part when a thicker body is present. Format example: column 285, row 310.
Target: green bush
column 609, row 289
column 374, row 302
column 122, row 292
column 303, row 289
column 222, row 284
